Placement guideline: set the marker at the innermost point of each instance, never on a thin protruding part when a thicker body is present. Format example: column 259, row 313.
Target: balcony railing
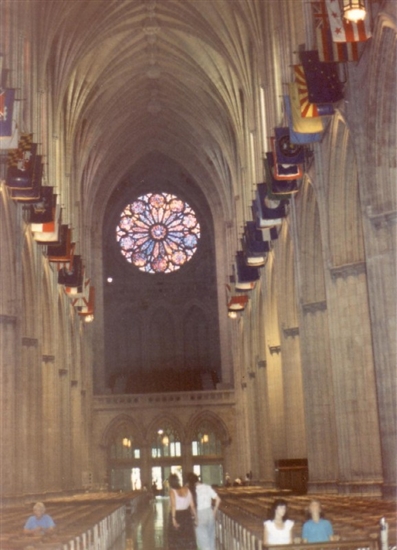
column 148, row 400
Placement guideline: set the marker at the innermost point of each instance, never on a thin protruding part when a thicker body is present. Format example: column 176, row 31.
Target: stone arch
column 343, row 198
column 166, row 419
column 311, row 266
column 212, row 419
column 119, row 422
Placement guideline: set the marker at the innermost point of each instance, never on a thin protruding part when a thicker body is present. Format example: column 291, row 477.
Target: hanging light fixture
column 354, row 10
column 126, row 442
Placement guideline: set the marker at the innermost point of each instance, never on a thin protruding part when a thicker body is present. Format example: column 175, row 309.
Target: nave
column 146, row 530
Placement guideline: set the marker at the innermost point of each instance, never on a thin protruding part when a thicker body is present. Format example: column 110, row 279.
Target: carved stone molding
column 8, row 319
column 251, row 374
column 381, row 219
column 291, row 332
column 274, row 349
column 74, row 383
column 48, row 358
column 261, row 364
column 63, row 372
column 314, row 307
column 30, row 342
column 348, row 270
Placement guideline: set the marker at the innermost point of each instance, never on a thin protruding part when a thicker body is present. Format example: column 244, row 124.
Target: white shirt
column 205, row 494
column 278, row 536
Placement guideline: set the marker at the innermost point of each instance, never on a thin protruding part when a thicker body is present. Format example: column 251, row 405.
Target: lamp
column 232, row 314
column 354, row 10
column 165, row 440
column 126, row 442
column 204, row 438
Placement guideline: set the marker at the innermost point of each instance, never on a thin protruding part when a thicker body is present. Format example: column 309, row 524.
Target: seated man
column 40, row 522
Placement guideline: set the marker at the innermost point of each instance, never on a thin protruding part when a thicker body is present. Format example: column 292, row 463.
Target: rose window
column 158, row 233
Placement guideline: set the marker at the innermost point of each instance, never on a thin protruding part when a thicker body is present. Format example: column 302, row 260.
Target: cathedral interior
column 198, row 210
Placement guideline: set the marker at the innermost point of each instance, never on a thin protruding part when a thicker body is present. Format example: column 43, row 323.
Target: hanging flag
column 21, row 164
column 48, row 232
column 328, row 49
column 42, row 211
column 63, row 250
column 343, row 30
column 267, row 211
column 30, row 187
column 322, row 79
column 11, row 141
column 88, row 306
column 309, row 109
column 301, row 138
column 237, row 303
column 284, row 172
column 81, row 297
column 278, row 189
column 313, row 125
column 71, row 276
column 7, row 97
column 245, row 275
column 285, row 151
column 254, row 246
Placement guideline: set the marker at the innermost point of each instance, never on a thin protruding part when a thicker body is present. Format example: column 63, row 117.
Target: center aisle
column 147, row 529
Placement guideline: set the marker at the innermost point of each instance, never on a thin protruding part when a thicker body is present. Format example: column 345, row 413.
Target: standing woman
column 182, row 518
column 204, row 496
column 278, row 529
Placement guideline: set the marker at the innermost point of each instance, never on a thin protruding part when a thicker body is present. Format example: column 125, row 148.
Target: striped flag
column 302, row 125
column 299, row 137
column 343, row 30
column 328, row 50
column 309, row 109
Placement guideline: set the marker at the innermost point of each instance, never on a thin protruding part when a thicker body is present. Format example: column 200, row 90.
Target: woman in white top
column 182, row 517
column 278, row 530
column 207, row 503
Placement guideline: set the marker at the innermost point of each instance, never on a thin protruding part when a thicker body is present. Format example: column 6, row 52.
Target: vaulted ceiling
column 144, row 80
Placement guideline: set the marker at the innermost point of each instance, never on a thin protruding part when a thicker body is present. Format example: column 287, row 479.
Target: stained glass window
column 158, row 233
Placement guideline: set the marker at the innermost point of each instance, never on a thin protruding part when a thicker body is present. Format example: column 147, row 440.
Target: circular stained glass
column 158, row 233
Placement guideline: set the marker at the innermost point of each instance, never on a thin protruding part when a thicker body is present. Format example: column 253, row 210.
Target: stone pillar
column 8, row 403
column 50, row 423
column 76, row 433
column 64, row 427
column 28, row 406
column 295, row 432
column 356, row 412
column 319, row 398
column 266, row 472
column 381, row 261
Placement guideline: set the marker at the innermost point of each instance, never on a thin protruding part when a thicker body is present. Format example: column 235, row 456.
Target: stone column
column 8, row 403
column 64, row 427
column 319, row 398
column 381, row 261
column 356, row 408
column 293, row 404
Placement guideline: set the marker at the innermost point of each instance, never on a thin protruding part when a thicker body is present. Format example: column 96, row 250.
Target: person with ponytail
column 207, row 502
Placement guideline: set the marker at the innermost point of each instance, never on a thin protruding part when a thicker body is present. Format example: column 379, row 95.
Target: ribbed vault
column 133, row 77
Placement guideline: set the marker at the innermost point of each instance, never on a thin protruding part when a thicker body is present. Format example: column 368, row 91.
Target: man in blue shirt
column 317, row 529
column 40, row 522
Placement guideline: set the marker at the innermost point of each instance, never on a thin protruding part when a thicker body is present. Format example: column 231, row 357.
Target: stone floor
column 147, row 530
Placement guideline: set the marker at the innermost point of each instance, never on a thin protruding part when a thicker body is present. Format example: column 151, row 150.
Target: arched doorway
column 124, row 458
